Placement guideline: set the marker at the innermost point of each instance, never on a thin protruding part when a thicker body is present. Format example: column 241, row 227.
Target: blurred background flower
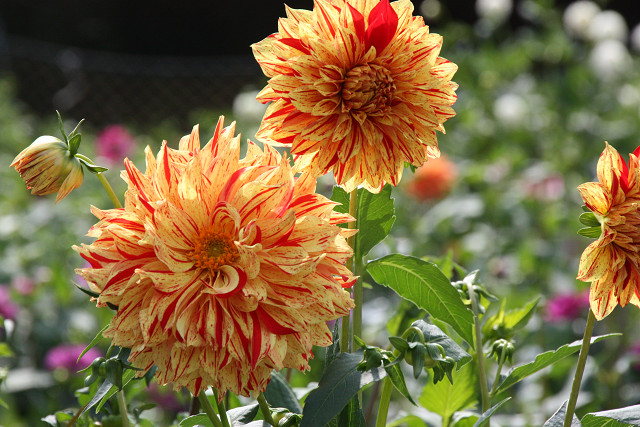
column 432, row 180
column 65, row 356
column 113, row 144
column 567, row 307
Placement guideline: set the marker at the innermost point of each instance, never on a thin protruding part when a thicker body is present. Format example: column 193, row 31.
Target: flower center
column 368, row 88
column 212, row 250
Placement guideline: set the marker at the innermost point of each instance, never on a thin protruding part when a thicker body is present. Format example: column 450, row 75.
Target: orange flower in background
column 357, row 88
column 222, row 268
column 47, row 167
column 433, row 180
column 612, row 262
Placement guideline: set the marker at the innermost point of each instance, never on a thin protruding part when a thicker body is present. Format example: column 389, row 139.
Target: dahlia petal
column 603, row 306
column 596, row 196
column 382, row 24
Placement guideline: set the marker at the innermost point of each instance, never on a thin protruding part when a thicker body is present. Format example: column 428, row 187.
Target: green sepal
column 585, row 208
column 399, row 343
column 589, row 219
column 113, row 373
column 87, row 291
column 74, row 143
column 90, row 166
column 64, row 134
column 93, row 342
column 591, row 232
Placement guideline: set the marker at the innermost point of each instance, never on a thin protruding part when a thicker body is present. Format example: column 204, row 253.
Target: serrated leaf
column 196, row 420
column 375, row 215
column 434, row 335
column 591, row 232
column 340, row 382
column 589, row 219
column 484, row 418
column 629, row 416
column 543, row 360
column 557, row 419
column 394, row 372
column 422, row 283
column 243, row 414
column 445, row 398
column 279, row 394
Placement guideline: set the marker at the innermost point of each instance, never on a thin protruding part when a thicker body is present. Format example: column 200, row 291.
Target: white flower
column 510, row 109
column 608, row 25
column 609, row 59
column 494, row 10
column 578, row 16
column 635, row 38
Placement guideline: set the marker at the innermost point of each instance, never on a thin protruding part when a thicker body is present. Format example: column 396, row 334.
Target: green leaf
column 340, row 382
column 90, row 166
column 543, row 360
column 279, row 394
column 352, row 415
column 196, row 420
column 4, row 404
column 5, row 350
column 434, row 335
column 484, row 418
column 243, row 414
column 93, row 342
column 408, row 421
column 394, row 372
column 557, row 419
column 100, row 393
column 422, row 283
column 505, row 323
column 126, row 377
column 589, row 219
column 445, row 398
column 629, row 416
column 591, row 232
column 375, row 215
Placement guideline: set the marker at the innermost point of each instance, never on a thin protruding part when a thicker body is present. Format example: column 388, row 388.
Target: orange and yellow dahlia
column 221, row 268
column 612, row 262
column 357, row 88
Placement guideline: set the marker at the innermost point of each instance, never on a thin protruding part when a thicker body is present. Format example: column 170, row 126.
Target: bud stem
column 264, row 408
column 122, row 406
column 482, row 375
column 109, row 190
column 503, row 357
column 208, row 409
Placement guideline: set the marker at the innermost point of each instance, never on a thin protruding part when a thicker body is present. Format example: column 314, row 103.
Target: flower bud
column 47, row 167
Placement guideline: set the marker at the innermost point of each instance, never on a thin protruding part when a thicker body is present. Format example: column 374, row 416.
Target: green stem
column 346, row 336
column 503, row 357
column 109, row 190
column 208, row 409
column 122, row 406
column 222, row 409
column 582, row 360
column 385, row 398
column 482, row 375
column 264, row 408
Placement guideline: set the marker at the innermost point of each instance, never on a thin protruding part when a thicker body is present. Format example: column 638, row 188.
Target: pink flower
column 114, row 143
column 565, row 307
column 65, row 356
column 8, row 309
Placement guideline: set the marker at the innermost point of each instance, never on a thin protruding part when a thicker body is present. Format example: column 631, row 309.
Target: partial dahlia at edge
column 221, row 268
column 356, row 88
column 612, row 262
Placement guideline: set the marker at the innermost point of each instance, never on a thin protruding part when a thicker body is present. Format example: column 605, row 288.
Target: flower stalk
column 208, row 409
column 122, row 406
column 107, row 187
column 264, row 408
column 346, row 339
column 482, row 375
column 582, row 360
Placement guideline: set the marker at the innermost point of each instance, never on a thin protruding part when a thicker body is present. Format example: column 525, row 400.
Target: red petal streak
column 624, row 175
column 271, row 324
column 383, row 22
column 296, row 44
column 256, row 344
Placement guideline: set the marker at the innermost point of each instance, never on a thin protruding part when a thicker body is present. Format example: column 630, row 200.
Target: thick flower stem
column 385, row 398
column 482, row 375
column 122, row 406
column 208, row 409
column 109, row 190
column 582, row 360
column 222, row 409
column 264, row 408
column 346, row 335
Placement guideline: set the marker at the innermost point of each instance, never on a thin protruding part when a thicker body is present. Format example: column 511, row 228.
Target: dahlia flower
column 47, row 166
column 612, row 262
column 221, row 268
column 357, row 88
column 433, row 180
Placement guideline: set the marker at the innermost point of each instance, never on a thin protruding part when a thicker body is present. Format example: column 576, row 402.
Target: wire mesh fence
column 108, row 87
